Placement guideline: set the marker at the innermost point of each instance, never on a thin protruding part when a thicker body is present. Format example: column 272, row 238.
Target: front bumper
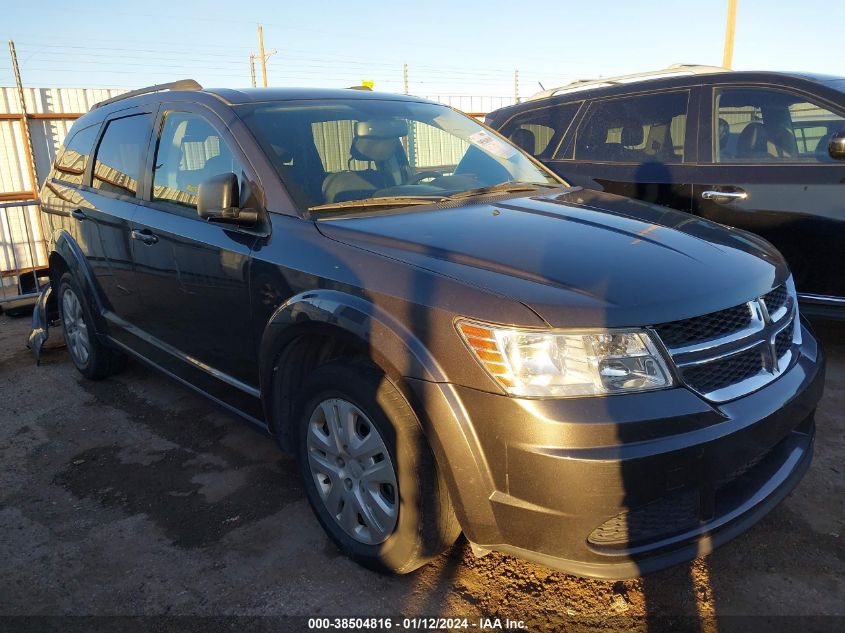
column 621, row 486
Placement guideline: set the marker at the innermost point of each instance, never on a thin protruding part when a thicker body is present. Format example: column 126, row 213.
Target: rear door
column 641, row 146
column 193, row 274
column 91, row 194
column 766, row 169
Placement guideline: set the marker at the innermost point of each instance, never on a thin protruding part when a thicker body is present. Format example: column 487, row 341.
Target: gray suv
column 446, row 335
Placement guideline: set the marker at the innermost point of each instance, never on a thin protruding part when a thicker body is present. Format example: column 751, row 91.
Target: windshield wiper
column 503, row 187
column 385, row 201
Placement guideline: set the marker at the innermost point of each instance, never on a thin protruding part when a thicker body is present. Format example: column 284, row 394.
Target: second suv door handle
column 79, row 214
column 144, row 235
column 724, row 195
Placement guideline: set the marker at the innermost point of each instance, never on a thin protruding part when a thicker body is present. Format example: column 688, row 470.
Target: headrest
column 525, row 139
column 381, row 128
column 376, row 149
column 752, row 139
column 632, row 132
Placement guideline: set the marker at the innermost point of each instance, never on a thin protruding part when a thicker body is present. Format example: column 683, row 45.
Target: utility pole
column 252, row 68
column 27, row 137
column 516, row 85
column 727, row 59
column 263, row 56
column 405, row 77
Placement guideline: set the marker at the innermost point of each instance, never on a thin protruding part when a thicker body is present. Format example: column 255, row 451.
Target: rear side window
column 648, row 128
column 117, row 165
column 71, row 163
column 534, row 130
column 190, row 150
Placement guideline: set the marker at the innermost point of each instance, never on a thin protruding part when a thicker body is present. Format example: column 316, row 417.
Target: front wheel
column 369, row 473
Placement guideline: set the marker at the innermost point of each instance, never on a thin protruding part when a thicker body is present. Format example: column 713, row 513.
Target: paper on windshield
column 492, row 145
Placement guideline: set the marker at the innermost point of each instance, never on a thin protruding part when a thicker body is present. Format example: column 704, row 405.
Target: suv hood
column 579, row 258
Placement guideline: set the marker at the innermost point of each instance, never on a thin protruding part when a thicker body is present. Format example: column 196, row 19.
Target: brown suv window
column 641, row 129
column 763, row 126
column 70, row 165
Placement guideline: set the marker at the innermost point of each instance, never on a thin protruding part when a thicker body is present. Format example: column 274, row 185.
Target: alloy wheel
column 76, row 331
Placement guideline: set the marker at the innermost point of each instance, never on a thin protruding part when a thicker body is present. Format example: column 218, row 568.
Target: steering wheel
column 423, row 175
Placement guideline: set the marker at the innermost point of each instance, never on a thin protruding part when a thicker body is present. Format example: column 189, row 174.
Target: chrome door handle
column 724, row 195
column 145, row 235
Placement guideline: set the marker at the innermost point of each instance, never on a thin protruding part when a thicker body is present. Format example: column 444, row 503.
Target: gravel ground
column 133, row 496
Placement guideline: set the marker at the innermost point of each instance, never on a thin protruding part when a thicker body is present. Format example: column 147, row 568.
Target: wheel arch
column 67, row 256
column 315, row 327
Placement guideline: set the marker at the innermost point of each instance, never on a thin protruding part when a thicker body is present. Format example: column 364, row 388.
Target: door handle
column 145, row 235
column 79, row 214
column 724, row 195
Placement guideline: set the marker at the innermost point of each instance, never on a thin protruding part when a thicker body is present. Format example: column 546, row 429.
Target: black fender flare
column 390, row 344
column 65, row 246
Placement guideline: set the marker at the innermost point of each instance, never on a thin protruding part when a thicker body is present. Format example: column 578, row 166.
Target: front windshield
column 329, row 152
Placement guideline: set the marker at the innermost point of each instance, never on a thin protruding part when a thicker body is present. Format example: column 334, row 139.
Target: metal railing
column 19, row 272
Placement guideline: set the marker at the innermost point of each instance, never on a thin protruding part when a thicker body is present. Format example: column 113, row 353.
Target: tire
column 423, row 524
column 93, row 359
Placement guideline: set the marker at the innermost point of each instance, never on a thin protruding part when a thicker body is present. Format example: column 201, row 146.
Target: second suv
column 446, row 335
column 759, row 151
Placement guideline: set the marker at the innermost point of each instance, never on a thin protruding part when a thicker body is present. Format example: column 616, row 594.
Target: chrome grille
column 726, row 354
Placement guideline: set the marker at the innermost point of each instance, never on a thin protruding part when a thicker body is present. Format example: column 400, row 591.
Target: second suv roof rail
column 670, row 71
column 182, row 84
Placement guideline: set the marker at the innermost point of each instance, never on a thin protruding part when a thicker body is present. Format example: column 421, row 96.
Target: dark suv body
column 448, row 337
column 760, row 151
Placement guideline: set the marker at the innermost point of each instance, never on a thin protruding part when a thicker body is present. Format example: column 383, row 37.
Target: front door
column 769, row 172
column 193, row 274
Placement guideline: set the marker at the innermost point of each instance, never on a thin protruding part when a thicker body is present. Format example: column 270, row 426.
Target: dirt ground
column 133, row 496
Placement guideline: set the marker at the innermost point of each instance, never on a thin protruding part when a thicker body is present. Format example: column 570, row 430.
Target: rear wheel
column 368, row 471
column 93, row 359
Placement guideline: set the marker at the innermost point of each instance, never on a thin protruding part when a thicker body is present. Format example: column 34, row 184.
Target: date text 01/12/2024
column 414, row 624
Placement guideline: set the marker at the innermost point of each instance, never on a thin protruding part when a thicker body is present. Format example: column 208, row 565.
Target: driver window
column 764, row 126
column 189, row 151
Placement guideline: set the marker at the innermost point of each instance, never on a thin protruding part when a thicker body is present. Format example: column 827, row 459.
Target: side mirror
column 836, row 146
column 217, row 201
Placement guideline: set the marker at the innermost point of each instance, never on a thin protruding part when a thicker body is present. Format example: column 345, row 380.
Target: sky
column 451, row 48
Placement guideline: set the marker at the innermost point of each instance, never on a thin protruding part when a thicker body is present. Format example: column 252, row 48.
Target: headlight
column 539, row 363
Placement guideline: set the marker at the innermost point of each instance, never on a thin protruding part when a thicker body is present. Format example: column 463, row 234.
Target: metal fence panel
column 14, row 175
column 21, row 240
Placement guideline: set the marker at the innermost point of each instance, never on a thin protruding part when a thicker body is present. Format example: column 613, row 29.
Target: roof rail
column 670, row 71
column 182, row 84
